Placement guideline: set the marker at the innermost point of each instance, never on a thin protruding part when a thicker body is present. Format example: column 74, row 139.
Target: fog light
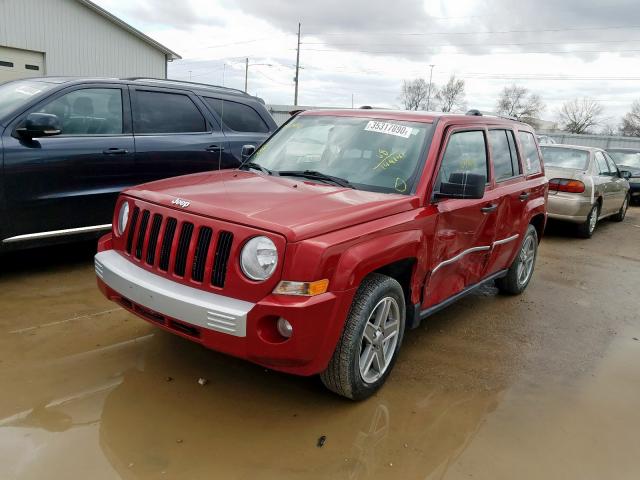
column 284, row 328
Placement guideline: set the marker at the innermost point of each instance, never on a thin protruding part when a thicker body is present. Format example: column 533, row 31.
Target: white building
column 74, row 38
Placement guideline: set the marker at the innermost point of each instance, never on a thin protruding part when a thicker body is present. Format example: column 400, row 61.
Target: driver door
column 465, row 228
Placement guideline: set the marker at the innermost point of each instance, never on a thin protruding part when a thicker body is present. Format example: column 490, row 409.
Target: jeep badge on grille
column 181, row 203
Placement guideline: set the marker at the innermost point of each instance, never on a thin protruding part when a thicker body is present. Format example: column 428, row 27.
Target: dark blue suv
column 69, row 146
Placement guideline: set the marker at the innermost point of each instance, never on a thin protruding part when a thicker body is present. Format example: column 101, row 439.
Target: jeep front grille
column 184, row 249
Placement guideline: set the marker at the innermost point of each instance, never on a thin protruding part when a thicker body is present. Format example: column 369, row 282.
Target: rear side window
column 601, row 164
column 237, row 117
column 504, row 154
column 466, row 152
column 530, row 153
column 160, row 112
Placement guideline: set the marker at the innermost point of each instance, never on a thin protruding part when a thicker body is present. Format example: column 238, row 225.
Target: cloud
column 167, row 13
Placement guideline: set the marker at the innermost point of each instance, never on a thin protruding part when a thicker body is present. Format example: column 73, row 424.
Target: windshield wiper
column 315, row 175
column 255, row 166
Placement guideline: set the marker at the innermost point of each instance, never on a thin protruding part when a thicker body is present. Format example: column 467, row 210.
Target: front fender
column 363, row 258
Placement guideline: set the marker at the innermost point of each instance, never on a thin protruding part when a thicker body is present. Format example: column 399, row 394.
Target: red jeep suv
column 343, row 230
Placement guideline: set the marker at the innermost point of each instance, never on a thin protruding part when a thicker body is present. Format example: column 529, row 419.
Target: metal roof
column 124, row 25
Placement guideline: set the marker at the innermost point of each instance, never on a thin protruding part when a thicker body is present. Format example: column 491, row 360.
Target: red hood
column 293, row 207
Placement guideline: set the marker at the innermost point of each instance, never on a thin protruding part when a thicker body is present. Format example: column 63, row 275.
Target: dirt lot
column 545, row 385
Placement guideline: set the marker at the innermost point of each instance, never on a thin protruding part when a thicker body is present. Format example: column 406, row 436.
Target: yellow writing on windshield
column 387, row 159
column 401, row 185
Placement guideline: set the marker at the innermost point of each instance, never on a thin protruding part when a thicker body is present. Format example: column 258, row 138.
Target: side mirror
column 626, row 174
column 40, row 125
column 463, row 185
column 247, row 151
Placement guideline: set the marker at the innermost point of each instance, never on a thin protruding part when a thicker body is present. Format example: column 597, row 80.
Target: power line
column 475, row 44
column 483, row 32
column 554, row 52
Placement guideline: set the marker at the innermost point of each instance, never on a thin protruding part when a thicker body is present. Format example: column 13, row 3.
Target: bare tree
column 451, row 97
column 516, row 101
column 414, row 94
column 631, row 121
column 580, row 115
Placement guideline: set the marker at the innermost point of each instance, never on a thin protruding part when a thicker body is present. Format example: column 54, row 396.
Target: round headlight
column 259, row 258
column 123, row 218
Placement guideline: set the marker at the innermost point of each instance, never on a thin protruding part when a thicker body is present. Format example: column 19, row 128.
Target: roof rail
column 169, row 80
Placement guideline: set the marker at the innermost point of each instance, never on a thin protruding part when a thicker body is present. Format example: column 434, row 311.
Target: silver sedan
column 585, row 186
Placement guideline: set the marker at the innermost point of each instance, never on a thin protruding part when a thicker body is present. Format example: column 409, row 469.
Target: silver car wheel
column 527, row 259
column 593, row 219
column 379, row 339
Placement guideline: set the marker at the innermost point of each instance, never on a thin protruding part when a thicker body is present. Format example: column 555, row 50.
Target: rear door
column 465, row 228
column 618, row 184
column 70, row 180
column 511, row 186
column 175, row 135
column 607, row 186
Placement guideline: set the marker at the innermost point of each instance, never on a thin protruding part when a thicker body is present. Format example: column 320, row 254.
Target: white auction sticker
column 389, row 128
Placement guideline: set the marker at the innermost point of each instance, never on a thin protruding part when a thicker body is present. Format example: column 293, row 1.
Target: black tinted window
column 238, row 117
column 90, row 111
column 530, row 153
column 466, row 153
column 505, row 157
column 159, row 112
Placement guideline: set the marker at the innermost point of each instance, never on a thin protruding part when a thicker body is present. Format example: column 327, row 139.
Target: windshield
column 377, row 155
column 14, row 94
column 565, row 158
column 626, row 159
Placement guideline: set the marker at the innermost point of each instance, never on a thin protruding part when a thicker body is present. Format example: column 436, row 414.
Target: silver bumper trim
column 191, row 305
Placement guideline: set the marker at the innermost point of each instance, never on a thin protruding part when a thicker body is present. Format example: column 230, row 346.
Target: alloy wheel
column 379, row 339
column 527, row 258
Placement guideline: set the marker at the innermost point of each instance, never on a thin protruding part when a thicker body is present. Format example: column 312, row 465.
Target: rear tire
column 370, row 338
column 519, row 274
column 586, row 229
column 618, row 217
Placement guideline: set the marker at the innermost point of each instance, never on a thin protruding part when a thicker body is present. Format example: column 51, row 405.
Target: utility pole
column 224, row 70
column 246, row 74
column 430, row 84
column 296, row 79
column 352, row 101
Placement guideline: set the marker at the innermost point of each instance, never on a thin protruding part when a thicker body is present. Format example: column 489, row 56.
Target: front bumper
column 236, row 327
column 568, row 207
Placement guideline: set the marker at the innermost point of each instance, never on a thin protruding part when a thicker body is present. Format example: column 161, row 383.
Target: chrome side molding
column 482, row 248
column 57, row 233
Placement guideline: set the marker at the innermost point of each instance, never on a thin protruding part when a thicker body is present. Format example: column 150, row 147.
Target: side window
column 601, row 164
column 236, row 116
column 466, row 153
column 517, row 168
column 160, row 112
column 90, row 111
column 530, row 153
column 505, row 157
column 612, row 165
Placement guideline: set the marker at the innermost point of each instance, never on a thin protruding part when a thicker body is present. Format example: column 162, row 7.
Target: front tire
column 370, row 340
column 519, row 274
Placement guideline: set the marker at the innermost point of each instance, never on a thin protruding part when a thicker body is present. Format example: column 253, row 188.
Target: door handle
column 115, row 151
column 523, row 196
column 489, row 208
column 215, row 148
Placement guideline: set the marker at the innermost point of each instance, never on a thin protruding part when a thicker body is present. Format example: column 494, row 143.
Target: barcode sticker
column 389, row 129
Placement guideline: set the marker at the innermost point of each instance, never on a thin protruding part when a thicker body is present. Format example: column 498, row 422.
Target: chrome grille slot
column 201, row 253
column 221, row 259
column 142, row 233
column 153, row 238
column 183, row 248
column 132, row 228
column 167, row 240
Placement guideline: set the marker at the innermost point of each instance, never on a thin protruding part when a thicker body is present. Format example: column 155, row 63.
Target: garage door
column 15, row 63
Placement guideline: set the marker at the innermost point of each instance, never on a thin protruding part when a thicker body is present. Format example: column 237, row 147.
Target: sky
column 360, row 51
